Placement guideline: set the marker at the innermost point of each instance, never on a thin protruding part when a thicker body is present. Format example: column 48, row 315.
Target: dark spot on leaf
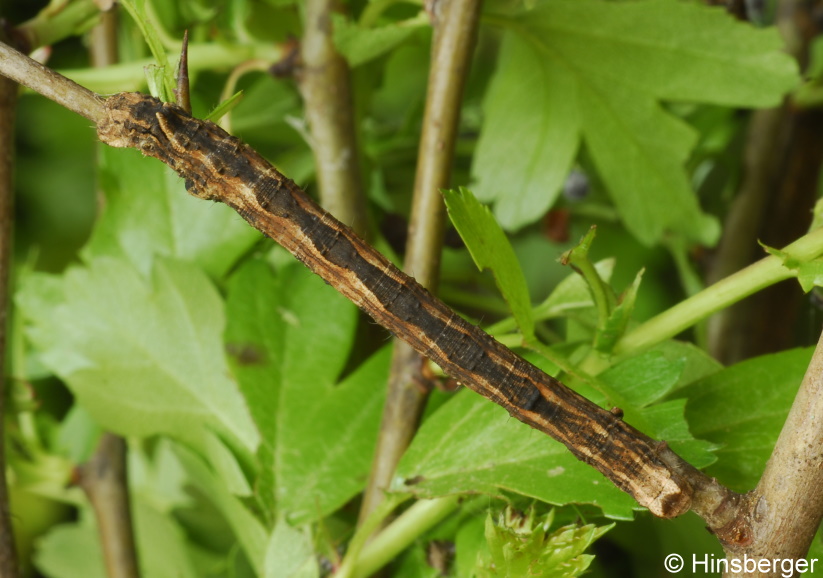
column 246, row 353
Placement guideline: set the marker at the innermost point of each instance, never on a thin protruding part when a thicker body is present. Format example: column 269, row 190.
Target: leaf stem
column 725, row 292
column 400, row 534
column 366, row 529
column 598, row 288
column 578, row 258
column 202, row 56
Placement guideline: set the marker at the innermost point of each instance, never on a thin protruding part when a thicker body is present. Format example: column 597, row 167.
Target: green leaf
column 71, row 550
column 490, row 249
column 359, row 44
column 143, row 357
column 251, row 534
column 225, row 107
column 644, row 379
column 290, row 553
column 163, row 543
column 224, row 461
column 530, row 135
column 469, row 543
column 326, row 455
column 698, row 363
column 148, row 214
column 289, row 336
column 596, row 71
column 520, row 545
column 743, row 409
column 666, row 421
column 78, row 435
column 472, row 446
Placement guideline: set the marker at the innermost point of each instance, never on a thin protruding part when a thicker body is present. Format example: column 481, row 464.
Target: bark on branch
column 784, row 511
column 104, row 480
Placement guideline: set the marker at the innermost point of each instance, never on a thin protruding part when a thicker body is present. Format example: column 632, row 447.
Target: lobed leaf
column 290, row 553
column 472, row 446
column 592, row 71
column 289, row 338
column 144, row 357
column 148, row 214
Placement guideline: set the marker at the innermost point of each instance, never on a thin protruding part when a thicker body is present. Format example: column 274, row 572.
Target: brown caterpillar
column 220, row 167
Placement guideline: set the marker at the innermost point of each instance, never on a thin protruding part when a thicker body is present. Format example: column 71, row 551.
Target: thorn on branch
column 182, row 92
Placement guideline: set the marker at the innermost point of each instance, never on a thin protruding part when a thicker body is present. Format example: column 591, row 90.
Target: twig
column 325, row 86
column 104, row 480
column 9, row 567
column 103, row 44
column 786, row 508
column 50, row 84
column 453, row 46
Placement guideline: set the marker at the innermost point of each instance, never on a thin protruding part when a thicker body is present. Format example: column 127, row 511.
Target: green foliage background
column 251, row 401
